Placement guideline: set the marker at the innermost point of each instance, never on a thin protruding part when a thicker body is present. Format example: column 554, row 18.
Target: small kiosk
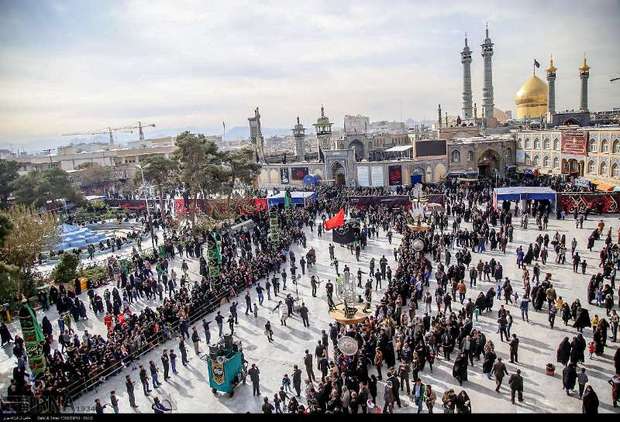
column 226, row 366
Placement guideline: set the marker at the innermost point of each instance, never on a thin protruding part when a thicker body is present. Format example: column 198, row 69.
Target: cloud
column 93, row 64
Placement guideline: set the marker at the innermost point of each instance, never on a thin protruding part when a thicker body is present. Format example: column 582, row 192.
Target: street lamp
column 146, row 200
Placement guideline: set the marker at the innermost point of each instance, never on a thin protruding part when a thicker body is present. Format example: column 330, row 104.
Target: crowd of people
column 410, row 326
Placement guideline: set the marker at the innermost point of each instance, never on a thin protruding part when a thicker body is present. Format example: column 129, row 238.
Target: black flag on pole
column 536, row 63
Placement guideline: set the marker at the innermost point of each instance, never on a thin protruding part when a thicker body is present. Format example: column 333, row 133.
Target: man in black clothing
column 130, row 391
column 514, row 349
column 303, row 312
column 165, row 360
column 248, row 303
column 254, row 376
column 144, row 379
column 309, row 369
column 297, row 380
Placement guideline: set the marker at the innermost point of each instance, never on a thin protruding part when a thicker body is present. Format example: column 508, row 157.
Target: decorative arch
column 440, row 172
column 358, row 146
column 615, row 170
column 547, row 144
column 556, row 144
column 616, row 146
column 592, row 147
column 455, row 156
column 590, row 167
column 603, row 169
column 556, row 163
column 604, row 145
column 546, row 161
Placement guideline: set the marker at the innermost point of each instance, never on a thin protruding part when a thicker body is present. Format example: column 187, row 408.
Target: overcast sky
column 78, row 65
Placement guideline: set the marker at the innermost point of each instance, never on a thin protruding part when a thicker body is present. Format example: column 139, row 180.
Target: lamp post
column 148, row 211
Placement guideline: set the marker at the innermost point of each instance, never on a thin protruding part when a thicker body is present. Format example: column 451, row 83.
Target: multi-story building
column 591, row 152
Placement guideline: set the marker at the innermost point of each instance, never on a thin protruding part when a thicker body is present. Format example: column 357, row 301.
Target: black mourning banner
column 395, row 175
column 298, row 173
column 430, row 148
column 284, row 178
column 346, row 234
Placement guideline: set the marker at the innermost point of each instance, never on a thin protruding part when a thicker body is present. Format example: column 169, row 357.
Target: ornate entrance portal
column 488, row 163
column 338, row 174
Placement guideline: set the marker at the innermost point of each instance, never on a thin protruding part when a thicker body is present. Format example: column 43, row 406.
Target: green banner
column 33, row 339
column 214, row 254
column 274, row 226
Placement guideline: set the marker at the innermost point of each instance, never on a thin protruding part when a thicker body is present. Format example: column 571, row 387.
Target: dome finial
column 466, row 39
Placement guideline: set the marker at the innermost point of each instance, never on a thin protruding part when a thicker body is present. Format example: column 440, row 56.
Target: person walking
column 173, row 361
column 130, row 391
column 269, row 332
column 297, row 380
column 165, row 361
column 582, row 380
column 308, row 364
column 114, row 401
column 514, row 349
column 205, row 327
column 303, row 312
column 516, row 386
column 144, row 379
column 183, row 351
column 499, row 370
column 154, row 370
column 196, row 341
column 254, row 374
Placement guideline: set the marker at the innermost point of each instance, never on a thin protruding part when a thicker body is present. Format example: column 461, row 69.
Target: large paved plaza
column 542, row 393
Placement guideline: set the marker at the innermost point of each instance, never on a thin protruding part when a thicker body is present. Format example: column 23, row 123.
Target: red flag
column 336, row 221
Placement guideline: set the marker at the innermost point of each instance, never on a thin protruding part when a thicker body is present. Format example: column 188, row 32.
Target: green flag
column 33, row 339
column 288, row 201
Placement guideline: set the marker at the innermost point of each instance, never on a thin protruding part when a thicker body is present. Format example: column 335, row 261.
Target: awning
column 515, row 193
column 399, row 148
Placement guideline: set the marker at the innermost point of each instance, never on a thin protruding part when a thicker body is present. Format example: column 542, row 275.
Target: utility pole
column 148, row 210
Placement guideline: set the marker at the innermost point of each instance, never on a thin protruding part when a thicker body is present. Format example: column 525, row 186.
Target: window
column 520, row 143
column 456, row 156
column 603, row 169
column 591, row 167
column 616, row 147
column 556, row 163
column 615, row 170
column 528, row 160
column 527, row 143
column 592, row 145
column 604, row 145
column 546, row 144
column 546, row 161
column 470, row 156
column 556, row 144
column 536, row 144
column 535, row 161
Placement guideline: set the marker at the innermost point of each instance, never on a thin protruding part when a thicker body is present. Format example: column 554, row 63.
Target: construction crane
column 106, row 131
column 139, row 127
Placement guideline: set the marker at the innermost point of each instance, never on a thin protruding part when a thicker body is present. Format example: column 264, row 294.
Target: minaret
column 487, row 89
column 584, row 73
column 466, row 61
column 475, row 111
column 551, row 82
column 439, row 115
column 299, row 133
column 323, row 129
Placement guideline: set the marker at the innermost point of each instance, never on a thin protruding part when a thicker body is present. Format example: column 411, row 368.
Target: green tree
column 39, row 187
column 197, row 157
column 159, row 171
column 244, row 169
column 8, row 175
column 93, row 174
column 28, row 234
column 66, row 269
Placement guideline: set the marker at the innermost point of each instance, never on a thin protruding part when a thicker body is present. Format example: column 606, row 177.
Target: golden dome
column 584, row 67
column 531, row 99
